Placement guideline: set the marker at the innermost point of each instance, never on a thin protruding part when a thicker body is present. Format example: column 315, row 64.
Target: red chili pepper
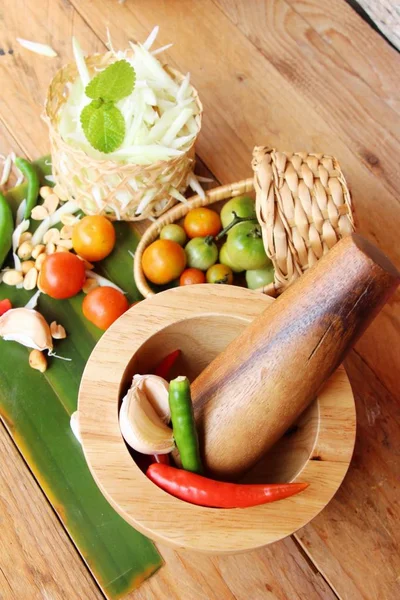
column 5, row 305
column 164, row 367
column 208, row 492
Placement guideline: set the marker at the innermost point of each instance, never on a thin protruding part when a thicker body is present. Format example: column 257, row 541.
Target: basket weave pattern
column 303, row 206
column 104, row 186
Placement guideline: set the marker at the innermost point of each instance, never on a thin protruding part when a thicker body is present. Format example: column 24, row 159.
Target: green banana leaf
column 36, row 409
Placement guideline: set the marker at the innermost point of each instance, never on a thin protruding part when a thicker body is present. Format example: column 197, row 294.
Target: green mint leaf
column 104, row 125
column 114, row 83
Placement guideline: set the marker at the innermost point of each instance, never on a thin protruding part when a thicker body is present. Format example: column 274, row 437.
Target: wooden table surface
column 296, row 75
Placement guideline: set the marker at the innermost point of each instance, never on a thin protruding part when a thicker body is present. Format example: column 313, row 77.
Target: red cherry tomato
column 103, row 305
column 62, row 275
column 191, row 276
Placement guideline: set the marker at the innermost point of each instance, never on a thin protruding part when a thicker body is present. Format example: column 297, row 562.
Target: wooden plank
column 185, row 573
column 231, row 127
column 365, row 52
column 37, row 559
column 355, row 541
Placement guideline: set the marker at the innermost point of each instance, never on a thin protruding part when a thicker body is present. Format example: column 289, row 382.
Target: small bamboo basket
column 105, row 187
column 303, row 205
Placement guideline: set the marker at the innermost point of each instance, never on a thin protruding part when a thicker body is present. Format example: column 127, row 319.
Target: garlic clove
column 156, row 390
column 74, row 424
column 27, row 327
column 141, row 427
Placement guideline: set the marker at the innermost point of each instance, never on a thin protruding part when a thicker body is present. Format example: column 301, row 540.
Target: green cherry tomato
column 259, row 277
column 201, row 253
column 175, row 233
column 243, row 206
column 219, row 274
column 225, row 259
column 245, row 246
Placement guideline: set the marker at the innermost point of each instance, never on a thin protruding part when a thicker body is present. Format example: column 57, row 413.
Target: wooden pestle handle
column 247, row 398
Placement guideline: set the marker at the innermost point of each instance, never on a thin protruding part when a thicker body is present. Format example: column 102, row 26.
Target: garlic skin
column 141, row 416
column 27, row 327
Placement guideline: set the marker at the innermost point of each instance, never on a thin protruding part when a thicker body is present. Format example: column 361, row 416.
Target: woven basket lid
column 303, row 206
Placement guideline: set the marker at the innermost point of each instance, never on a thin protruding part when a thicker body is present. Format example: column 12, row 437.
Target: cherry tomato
column 259, row 277
column 103, row 305
column 243, row 206
column 201, row 253
column 163, row 261
column 62, row 275
column 191, row 276
column 175, row 233
column 200, row 222
column 219, row 274
column 225, row 259
column 245, row 246
column 93, row 237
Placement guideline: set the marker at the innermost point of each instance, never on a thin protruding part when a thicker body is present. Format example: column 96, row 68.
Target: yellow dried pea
column 50, row 248
column 39, row 261
column 89, row 285
column 51, row 203
column 37, row 361
column 69, row 219
column 61, row 249
column 12, row 277
column 39, row 249
column 51, row 235
column 66, row 232
column 30, row 279
column 25, row 237
column 65, row 244
column 39, row 213
column 27, row 266
column 45, row 191
column 25, row 250
column 57, row 331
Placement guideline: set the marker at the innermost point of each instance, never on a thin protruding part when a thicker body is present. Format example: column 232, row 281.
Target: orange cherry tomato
column 200, row 222
column 103, row 305
column 62, row 275
column 191, row 276
column 163, row 261
column 93, row 237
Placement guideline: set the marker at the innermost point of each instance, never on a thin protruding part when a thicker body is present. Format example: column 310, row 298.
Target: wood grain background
column 295, row 74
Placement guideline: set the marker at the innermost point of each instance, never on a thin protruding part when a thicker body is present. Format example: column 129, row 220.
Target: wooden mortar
column 202, row 320
column 252, row 392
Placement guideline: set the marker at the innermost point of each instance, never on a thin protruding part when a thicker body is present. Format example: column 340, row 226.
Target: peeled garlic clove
column 141, row 427
column 156, row 390
column 27, row 327
column 74, row 424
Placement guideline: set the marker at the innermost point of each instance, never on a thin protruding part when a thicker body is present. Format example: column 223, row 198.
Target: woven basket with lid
column 114, row 189
column 303, row 205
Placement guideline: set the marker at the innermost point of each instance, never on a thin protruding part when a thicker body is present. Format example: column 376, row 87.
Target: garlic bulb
column 27, row 327
column 141, row 416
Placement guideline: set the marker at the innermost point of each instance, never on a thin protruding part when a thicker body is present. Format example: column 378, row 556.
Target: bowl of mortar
column 202, row 320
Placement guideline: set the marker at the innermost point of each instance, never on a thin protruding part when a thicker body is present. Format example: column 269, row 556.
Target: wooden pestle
column 247, row 398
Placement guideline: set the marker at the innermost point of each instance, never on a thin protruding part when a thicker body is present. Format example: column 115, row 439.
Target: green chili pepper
column 6, row 229
column 183, row 424
column 29, row 172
